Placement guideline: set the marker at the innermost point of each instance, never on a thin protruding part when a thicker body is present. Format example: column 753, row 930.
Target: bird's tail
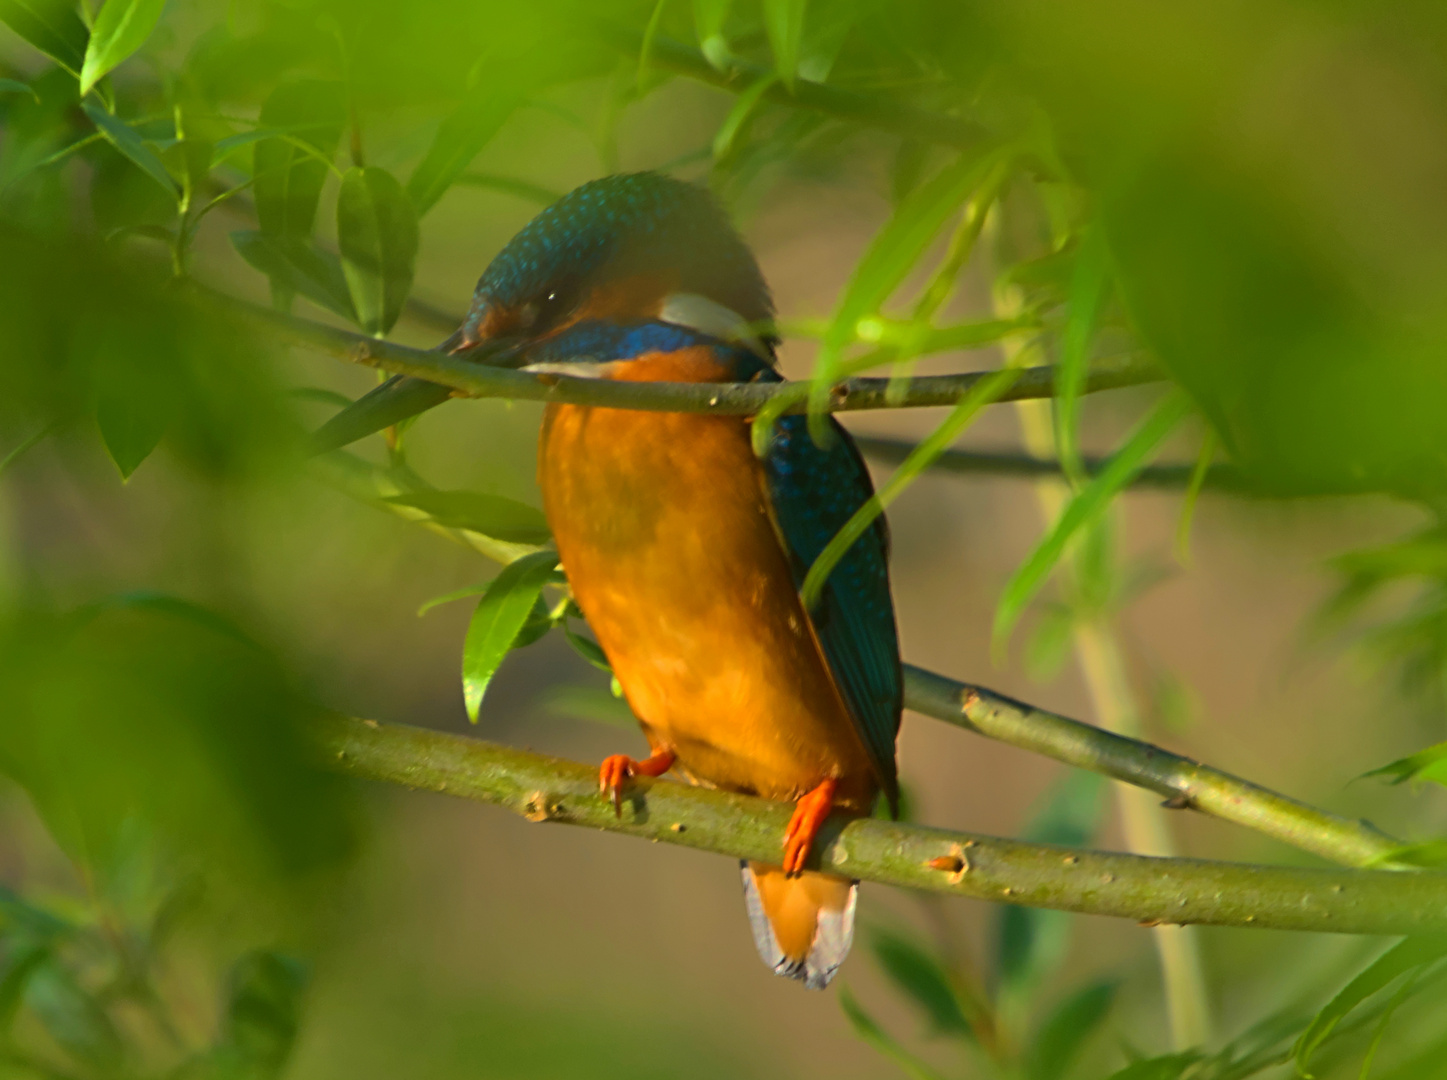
column 804, row 924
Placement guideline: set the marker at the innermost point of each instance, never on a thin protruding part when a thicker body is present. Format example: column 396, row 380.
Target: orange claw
column 809, row 814
column 616, row 770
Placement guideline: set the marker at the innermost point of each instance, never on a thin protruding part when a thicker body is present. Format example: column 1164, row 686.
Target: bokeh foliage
column 1248, row 193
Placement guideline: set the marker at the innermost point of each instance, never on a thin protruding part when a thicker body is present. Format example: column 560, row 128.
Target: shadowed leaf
column 298, row 266
column 72, row 1017
column 869, row 1030
column 377, row 235
column 501, row 615
column 52, row 26
column 491, row 515
column 124, row 138
column 459, row 139
column 784, row 22
column 290, row 170
column 922, row 980
column 1059, row 1039
column 1428, row 764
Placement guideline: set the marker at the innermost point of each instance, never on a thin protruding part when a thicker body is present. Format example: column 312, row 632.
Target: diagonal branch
column 1186, row 784
column 726, row 399
column 1148, row 890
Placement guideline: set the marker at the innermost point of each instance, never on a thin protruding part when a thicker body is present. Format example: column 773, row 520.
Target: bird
column 686, row 550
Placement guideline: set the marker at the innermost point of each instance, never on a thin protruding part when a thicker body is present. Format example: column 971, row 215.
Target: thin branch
column 1186, row 784
column 1148, row 890
column 868, row 110
column 997, row 463
column 724, row 399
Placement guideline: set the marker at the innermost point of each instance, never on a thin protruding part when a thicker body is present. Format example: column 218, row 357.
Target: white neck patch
column 712, row 318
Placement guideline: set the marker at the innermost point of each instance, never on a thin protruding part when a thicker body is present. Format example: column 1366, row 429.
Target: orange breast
column 663, row 529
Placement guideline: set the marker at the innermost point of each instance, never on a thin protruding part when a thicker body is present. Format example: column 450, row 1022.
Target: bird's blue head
column 638, row 246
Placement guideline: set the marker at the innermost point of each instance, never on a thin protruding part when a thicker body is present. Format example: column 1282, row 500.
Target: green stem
column 1135, row 887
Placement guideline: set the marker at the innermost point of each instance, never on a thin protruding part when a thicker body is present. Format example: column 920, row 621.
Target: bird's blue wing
column 813, row 491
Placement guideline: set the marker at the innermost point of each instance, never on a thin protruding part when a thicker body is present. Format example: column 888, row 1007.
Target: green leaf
column 1428, row 764
column 120, row 29
column 1193, row 495
column 1165, row 1067
column 891, row 255
column 52, row 26
column 589, row 703
column 709, row 17
column 124, row 138
column 20, row 963
column 377, row 235
column 588, row 649
column 1430, row 853
column 290, row 169
column 263, row 1012
column 739, row 117
column 299, row 267
column 1087, row 505
column 920, row 977
column 491, row 515
column 867, row 1029
column 784, row 23
column 1031, row 942
column 1049, row 644
column 72, row 1017
column 1087, row 293
column 1407, row 955
column 14, row 86
column 1059, row 1039
column 500, row 616
column 459, row 139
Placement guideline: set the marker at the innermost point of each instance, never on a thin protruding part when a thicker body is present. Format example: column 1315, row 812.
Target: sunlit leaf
column 377, row 235
column 1407, row 955
column 52, row 26
column 120, row 29
column 869, row 1030
column 459, row 139
column 491, row 515
column 892, row 254
column 1428, row 764
column 300, row 267
column 784, row 22
column 291, row 169
column 124, row 138
column 1084, row 508
column 500, row 616
column 1058, row 1041
column 920, row 977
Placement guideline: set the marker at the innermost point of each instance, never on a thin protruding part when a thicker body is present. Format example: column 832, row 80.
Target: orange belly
column 662, row 526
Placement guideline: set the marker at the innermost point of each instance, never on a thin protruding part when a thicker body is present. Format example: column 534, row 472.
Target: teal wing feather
column 813, row 491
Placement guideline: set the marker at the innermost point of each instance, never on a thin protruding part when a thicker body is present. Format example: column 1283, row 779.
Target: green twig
column 983, row 867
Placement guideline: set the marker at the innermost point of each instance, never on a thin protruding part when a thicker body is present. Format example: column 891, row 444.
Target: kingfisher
column 686, row 550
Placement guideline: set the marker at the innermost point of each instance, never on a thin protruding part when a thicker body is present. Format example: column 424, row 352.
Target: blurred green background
column 1257, row 190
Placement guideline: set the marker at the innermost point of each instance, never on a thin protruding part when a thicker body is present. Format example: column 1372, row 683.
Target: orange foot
column 809, row 815
column 615, row 771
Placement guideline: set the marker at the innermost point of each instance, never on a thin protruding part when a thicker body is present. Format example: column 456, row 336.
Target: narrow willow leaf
column 1430, row 853
column 124, row 138
column 290, row 169
column 73, row 1018
column 52, row 26
column 456, row 594
column 784, row 23
column 500, row 616
column 491, row 515
column 739, row 117
column 120, row 29
column 709, row 17
column 131, row 426
column 891, row 255
column 920, row 977
column 1059, row 1040
column 1083, row 304
column 1428, row 764
column 1193, row 495
column 300, row 267
column 919, row 460
column 459, row 139
column 588, row 649
column 14, row 86
column 645, row 51
column 263, row 1014
column 377, row 235
column 1085, row 508
column 589, row 703
column 1407, row 955
column 869, row 1030
column 1031, row 942
column 1165, row 1067
column 20, row 962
